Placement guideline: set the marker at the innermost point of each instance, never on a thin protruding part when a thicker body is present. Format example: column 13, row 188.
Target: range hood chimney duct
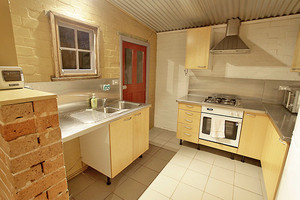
column 232, row 43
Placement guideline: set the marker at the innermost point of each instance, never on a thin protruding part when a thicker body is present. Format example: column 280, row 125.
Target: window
column 75, row 48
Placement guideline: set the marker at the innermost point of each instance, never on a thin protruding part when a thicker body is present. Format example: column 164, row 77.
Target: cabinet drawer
column 188, row 132
column 186, row 114
column 190, row 107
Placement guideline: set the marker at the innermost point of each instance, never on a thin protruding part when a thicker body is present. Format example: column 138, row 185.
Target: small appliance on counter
column 291, row 99
column 11, row 77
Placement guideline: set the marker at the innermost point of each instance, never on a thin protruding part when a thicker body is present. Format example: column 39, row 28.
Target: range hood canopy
column 232, row 43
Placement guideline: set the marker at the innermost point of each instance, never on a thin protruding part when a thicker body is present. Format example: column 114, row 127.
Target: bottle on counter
column 93, row 101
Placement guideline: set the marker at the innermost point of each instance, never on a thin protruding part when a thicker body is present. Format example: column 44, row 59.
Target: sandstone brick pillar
column 31, row 155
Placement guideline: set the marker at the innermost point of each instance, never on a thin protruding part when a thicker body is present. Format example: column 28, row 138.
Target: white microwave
column 11, row 77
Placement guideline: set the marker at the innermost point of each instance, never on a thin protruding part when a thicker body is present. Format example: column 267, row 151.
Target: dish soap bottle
column 93, row 101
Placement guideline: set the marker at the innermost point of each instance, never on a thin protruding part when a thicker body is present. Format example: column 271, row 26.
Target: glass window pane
column 139, row 74
column 66, row 37
column 231, row 130
column 206, row 125
column 68, row 59
column 84, row 60
column 128, row 66
column 83, row 40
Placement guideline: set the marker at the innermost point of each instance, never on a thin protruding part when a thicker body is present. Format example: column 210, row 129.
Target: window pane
column 84, row 60
column 128, row 66
column 66, row 37
column 68, row 59
column 139, row 74
column 83, row 40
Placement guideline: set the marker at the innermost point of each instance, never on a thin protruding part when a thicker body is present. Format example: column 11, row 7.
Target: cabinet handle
column 189, row 106
column 190, row 121
column 190, row 114
column 138, row 114
column 187, row 134
column 187, row 127
column 281, row 141
column 127, row 119
column 251, row 115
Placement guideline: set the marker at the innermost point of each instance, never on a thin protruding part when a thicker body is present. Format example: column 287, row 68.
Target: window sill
column 74, row 78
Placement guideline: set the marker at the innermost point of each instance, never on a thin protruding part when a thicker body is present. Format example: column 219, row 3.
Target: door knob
column 124, row 87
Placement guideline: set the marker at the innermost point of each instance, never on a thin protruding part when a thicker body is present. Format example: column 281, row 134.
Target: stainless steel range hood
column 232, row 43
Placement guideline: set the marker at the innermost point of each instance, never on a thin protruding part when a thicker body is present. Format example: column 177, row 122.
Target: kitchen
column 272, row 43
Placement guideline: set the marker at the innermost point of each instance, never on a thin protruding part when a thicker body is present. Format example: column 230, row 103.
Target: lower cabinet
column 111, row 148
column 273, row 160
column 188, row 122
column 253, row 135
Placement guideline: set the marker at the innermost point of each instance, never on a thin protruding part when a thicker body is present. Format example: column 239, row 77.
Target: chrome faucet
column 104, row 101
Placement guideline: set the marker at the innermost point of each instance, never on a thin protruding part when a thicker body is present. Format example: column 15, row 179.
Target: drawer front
column 190, row 107
column 186, row 114
column 188, row 132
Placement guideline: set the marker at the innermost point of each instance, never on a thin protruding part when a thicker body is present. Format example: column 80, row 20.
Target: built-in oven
column 227, row 122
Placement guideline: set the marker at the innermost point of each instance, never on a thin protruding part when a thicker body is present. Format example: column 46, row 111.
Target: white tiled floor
column 193, row 174
column 162, row 173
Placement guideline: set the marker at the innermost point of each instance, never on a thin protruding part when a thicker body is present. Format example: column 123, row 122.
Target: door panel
column 134, row 72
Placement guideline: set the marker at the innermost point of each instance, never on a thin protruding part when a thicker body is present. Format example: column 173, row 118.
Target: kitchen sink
column 88, row 116
column 125, row 105
column 108, row 110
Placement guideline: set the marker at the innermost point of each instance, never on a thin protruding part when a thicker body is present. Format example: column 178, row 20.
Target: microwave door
column 231, row 129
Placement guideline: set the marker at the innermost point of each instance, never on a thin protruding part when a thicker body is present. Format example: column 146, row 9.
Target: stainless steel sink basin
column 108, row 110
column 88, row 116
column 125, row 105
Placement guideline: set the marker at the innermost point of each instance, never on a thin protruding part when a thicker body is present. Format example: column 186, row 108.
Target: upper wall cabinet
column 197, row 48
column 296, row 60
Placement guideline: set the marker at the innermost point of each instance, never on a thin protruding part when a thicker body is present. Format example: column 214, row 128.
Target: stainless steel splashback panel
column 265, row 90
column 79, row 90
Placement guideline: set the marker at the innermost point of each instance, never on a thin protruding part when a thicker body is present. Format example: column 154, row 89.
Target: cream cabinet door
column 140, row 132
column 273, row 160
column 253, row 135
column 121, row 144
column 197, row 48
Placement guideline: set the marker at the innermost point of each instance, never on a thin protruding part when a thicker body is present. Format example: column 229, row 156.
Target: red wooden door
column 134, row 72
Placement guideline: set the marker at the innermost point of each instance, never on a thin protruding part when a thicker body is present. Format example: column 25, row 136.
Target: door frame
column 124, row 38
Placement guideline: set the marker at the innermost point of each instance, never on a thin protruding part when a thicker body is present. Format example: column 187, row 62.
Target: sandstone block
column 53, row 164
column 30, row 175
column 42, row 185
column 13, row 112
column 43, row 123
column 49, row 136
column 35, row 157
column 45, row 107
column 58, row 189
column 14, row 130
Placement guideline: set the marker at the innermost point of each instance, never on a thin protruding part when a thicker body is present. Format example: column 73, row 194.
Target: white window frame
column 60, row 73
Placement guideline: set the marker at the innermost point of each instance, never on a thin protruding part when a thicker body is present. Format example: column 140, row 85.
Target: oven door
column 232, row 129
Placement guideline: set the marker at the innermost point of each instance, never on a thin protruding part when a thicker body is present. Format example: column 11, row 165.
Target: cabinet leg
column 141, row 156
column 232, row 156
column 180, row 142
column 108, row 182
column 243, row 159
column 198, row 146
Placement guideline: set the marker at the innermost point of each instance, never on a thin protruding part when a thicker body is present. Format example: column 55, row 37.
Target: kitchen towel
column 217, row 129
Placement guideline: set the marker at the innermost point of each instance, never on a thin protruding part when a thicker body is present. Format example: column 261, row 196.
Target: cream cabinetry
column 111, row 148
column 198, row 44
column 121, row 144
column 188, row 122
column 253, row 135
column 296, row 59
column 273, row 160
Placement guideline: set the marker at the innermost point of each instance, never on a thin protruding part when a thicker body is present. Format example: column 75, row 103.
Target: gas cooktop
column 223, row 99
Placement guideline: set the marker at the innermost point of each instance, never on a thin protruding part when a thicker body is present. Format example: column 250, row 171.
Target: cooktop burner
column 228, row 100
